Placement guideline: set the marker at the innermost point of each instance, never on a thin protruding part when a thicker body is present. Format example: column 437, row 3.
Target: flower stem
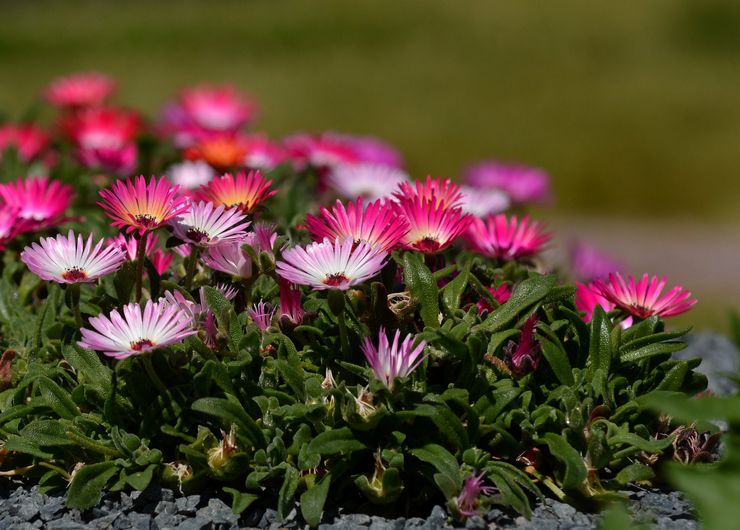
column 140, row 257
column 190, row 273
column 156, row 381
column 74, row 301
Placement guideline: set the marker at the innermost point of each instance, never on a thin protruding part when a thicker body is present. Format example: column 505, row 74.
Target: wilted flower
column 331, row 265
column 190, row 175
column 482, row 202
column 290, row 303
column 138, row 330
column 467, row 501
column 130, row 245
column 39, row 200
column 391, row 361
column 642, row 299
column 691, row 447
column 523, row 184
column 369, row 181
column 261, row 314
column 206, row 225
column 219, row 455
column 377, row 224
column 246, row 190
column 141, row 206
column 72, row 260
column 433, row 225
column 524, row 356
column 29, row 141
column 80, row 90
column 589, row 263
column 501, row 237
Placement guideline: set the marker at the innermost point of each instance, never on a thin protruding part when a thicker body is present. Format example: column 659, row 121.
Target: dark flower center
column 428, row 245
column 146, row 220
column 74, row 274
column 141, row 344
column 196, row 235
column 333, row 280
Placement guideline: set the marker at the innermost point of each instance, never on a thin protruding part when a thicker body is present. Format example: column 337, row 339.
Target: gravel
column 23, row 507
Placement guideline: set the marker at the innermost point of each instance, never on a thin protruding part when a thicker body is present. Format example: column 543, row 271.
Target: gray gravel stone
column 719, row 357
column 187, row 505
column 196, row 523
column 218, row 512
column 140, row 521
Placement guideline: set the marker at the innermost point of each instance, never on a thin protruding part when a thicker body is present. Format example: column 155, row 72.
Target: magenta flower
column 368, row 149
column 230, row 259
column 80, row 90
column 262, row 154
column 262, row 238
column 141, row 206
column 377, row 224
column 391, row 361
column 40, row 201
column 138, row 330
column 434, row 226
column 642, row 299
column 318, row 151
column 523, row 357
column 290, row 303
column 482, row 202
column 588, row 297
column 261, row 314
column 369, row 181
column 72, row 260
column 206, row 225
column 467, row 501
column 331, row 265
column 245, row 191
column 523, row 184
column 501, row 294
column 190, row 175
column 29, row 141
column 10, row 224
column 130, row 245
column 438, row 191
column 504, row 238
column 589, row 263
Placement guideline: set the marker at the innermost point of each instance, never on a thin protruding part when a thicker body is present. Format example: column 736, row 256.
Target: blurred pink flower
column 290, row 303
column 369, row 181
column 40, row 202
column 467, row 501
column 190, row 175
column 261, row 314
column 644, row 298
column 28, row 140
column 501, row 294
column 481, row 202
column 501, row 237
column 77, row 91
column 522, row 183
column 589, row 263
column 262, row 154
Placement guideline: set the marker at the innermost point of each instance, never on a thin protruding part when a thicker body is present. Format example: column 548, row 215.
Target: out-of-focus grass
column 633, row 108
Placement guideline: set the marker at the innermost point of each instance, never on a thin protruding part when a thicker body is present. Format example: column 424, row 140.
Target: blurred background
column 633, row 110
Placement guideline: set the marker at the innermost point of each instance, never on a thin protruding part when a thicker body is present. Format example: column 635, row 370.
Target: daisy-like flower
column 523, row 184
column 263, row 154
column 467, row 501
column 481, row 202
column 261, row 314
column 391, row 361
column 589, row 263
column 221, row 152
column 331, row 265
column 38, row 199
column 141, row 206
column 10, row 224
column 206, row 225
column 72, row 260
column 246, row 190
column 29, row 141
column 262, row 238
column 370, row 181
column 138, row 330
column 190, row 175
column 433, row 225
column 377, row 224
column 291, row 310
column 230, row 259
column 130, row 245
column 501, row 237
column 438, row 191
column 80, row 90
column 588, row 297
column 645, row 298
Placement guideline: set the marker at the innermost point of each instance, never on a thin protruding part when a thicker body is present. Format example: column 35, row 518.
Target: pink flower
column 467, row 501
column 262, row 154
column 524, row 357
column 206, row 225
column 319, row 151
column 230, row 259
column 506, row 238
column 190, row 175
column 262, row 238
column 138, row 330
column 589, row 263
column 642, row 299
column 439, row 191
column 40, row 202
column 291, row 309
column 10, row 224
column 141, row 206
column 501, row 294
column 261, row 314
column 377, row 224
column 368, row 149
column 80, row 90
column 481, row 202
column 523, row 184
column 246, row 191
column 369, row 181
column 434, row 226
column 331, row 265
column 588, row 297
column 130, row 245
column 29, row 141
column 391, row 361
column 72, row 260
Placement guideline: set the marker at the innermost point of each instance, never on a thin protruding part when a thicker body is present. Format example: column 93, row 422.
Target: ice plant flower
column 589, row 263
column 140, row 206
column 138, row 330
column 81, row 90
column 262, row 154
column 262, row 238
column 190, row 175
column 588, row 297
column 391, row 361
column 334, row 264
column 644, row 298
column 524, row 356
column 523, row 184
column 369, row 181
column 230, row 259
column 206, row 225
column 438, row 191
column 261, row 314
column 368, row 149
column 10, row 224
column 245, row 191
column 39, row 200
column 291, row 310
column 320, row 151
column 376, row 224
column 506, row 238
column 501, row 294
column 71, row 259
column 467, row 501
column 130, row 245
column 483, row 202
column 433, row 225
column 29, row 141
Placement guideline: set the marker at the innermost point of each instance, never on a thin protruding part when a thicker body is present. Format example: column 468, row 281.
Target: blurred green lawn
column 633, row 107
